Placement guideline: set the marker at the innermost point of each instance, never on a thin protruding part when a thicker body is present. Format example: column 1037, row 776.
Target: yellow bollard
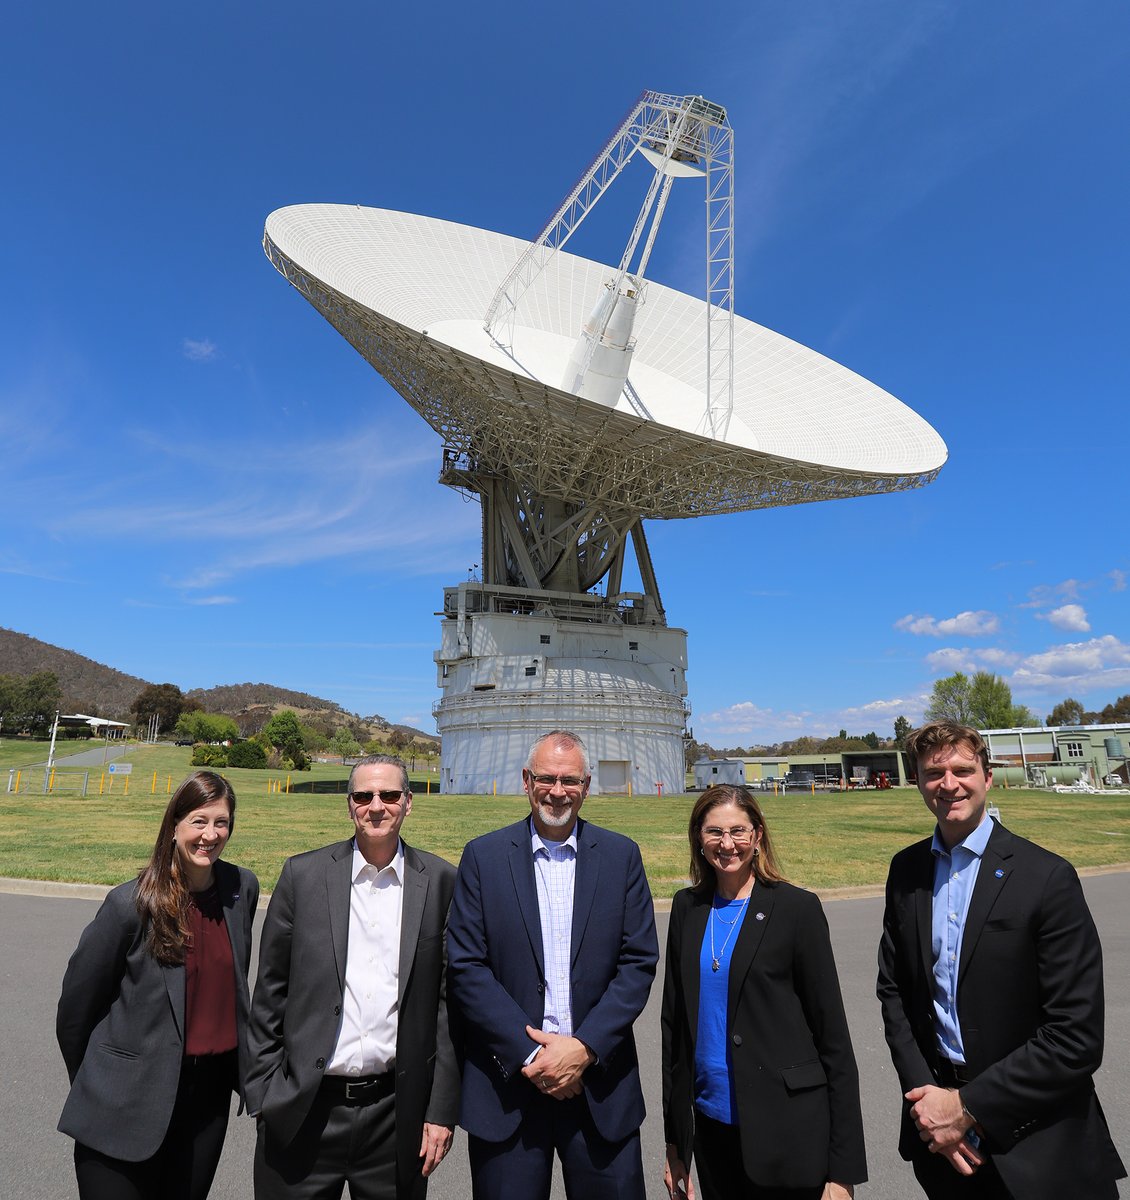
column 288, row 785
column 814, row 787
column 153, row 787
column 126, row 792
column 496, row 787
column 429, row 791
column 18, row 774
column 101, row 782
column 51, row 781
column 168, row 785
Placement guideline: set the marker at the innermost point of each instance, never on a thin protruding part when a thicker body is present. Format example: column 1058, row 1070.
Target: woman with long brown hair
column 759, row 1078
column 153, row 1013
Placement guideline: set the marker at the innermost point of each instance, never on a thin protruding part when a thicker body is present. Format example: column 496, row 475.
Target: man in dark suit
column 991, row 983
column 353, row 1075
column 552, row 955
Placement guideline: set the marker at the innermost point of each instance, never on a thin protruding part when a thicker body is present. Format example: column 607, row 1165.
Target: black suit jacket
column 795, row 1079
column 497, row 976
column 296, row 1011
column 1030, row 1003
column 120, row 1022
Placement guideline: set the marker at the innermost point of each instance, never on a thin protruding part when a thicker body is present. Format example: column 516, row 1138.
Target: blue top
column 713, row 1075
column 955, row 876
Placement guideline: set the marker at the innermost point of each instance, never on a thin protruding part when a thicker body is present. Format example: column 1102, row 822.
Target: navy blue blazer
column 1030, row 1002
column 496, row 975
column 120, row 1023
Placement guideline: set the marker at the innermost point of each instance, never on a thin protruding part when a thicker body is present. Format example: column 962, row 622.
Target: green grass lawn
column 824, row 841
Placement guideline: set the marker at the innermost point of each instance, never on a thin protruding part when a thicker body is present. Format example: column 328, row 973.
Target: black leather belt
column 363, row 1089
column 952, row 1074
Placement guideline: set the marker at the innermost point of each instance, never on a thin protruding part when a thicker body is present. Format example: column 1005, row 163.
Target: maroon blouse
column 209, row 978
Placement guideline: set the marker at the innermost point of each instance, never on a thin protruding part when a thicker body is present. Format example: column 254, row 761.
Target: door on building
column 611, row 777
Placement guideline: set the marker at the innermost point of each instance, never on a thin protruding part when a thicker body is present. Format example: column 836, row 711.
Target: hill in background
column 89, row 687
column 98, row 690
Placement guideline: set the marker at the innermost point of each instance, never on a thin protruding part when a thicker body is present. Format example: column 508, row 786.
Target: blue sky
column 204, row 483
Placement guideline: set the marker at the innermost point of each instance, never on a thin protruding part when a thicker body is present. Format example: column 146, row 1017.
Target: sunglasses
column 362, row 799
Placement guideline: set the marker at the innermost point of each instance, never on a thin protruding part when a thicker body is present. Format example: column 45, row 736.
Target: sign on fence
column 120, row 768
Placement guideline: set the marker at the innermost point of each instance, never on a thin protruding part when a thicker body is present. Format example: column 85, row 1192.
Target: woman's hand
column 677, row 1176
column 838, row 1191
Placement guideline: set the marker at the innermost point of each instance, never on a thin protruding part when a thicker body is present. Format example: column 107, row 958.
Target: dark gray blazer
column 1030, row 1001
column 120, row 1023
column 296, row 1012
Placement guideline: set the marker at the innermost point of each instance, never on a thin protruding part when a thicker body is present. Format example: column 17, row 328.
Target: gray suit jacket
column 120, row 1023
column 296, row 1012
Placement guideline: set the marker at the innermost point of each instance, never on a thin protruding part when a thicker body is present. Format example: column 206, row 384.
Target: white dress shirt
column 366, row 1037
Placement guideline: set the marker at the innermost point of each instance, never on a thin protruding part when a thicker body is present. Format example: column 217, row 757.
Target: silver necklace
column 717, row 956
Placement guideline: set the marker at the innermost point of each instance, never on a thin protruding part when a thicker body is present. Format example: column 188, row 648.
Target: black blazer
column 795, row 1080
column 120, row 1023
column 1030, row 1002
column 301, row 982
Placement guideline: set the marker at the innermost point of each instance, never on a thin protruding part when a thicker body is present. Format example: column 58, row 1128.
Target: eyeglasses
column 740, row 835
column 571, row 783
column 389, row 796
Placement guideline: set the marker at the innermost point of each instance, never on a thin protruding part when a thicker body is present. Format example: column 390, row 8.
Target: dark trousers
column 339, row 1143
column 185, row 1164
column 721, row 1173
column 941, row 1182
column 521, row 1168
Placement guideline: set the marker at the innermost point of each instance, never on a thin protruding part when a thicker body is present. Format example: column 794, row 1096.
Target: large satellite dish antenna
column 574, row 400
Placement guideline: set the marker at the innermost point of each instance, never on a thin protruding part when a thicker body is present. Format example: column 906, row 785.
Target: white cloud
column 965, row 624
column 198, row 351
column 992, row 656
column 342, row 498
column 1047, row 594
column 1100, row 663
column 747, row 719
column 207, row 600
column 747, row 723
column 1072, row 617
column 945, row 662
column 970, row 659
column 1117, row 580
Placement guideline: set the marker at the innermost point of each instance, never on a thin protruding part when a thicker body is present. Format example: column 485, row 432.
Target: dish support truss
column 679, row 135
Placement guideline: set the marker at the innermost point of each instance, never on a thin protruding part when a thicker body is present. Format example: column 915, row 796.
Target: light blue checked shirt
column 555, row 870
column 955, row 874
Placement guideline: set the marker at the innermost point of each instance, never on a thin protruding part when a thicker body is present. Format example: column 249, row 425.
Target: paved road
column 86, row 760
column 37, row 935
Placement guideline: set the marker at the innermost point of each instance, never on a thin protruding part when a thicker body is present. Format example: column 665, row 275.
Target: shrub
column 204, row 755
column 247, row 754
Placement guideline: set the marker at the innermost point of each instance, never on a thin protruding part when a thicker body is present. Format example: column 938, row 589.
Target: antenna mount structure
column 575, row 400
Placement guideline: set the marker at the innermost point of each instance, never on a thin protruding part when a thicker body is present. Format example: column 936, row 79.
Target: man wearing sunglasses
column 552, row 953
column 353, row 1075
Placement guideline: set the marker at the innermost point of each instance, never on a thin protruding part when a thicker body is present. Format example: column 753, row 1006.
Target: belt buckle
column 357, row 1091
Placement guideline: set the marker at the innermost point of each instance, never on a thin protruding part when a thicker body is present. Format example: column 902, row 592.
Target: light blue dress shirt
column 955, row 875
column 555, row 871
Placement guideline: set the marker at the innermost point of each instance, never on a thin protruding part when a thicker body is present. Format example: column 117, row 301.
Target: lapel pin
column 999, row 872
column 760, row 916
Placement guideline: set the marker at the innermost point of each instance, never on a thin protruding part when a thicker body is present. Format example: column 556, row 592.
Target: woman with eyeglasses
column 152, row 1019
column 759, row 1077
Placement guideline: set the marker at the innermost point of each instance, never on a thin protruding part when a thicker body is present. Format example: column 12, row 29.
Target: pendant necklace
column 717, row 956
